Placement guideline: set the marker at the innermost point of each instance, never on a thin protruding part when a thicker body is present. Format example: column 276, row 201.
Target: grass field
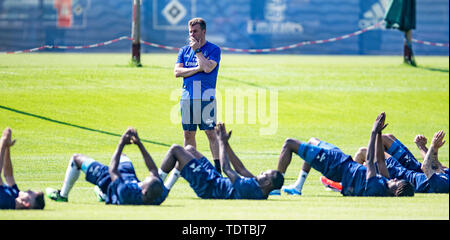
column 60, row 104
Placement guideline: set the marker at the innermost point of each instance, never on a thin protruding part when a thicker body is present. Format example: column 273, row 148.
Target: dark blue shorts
column 198, row 113
column 98, row 174
column 206, row 182
column 439, row 183
column 404, row 156
column 328, row 159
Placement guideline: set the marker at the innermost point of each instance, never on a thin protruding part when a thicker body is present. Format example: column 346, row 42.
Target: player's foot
column 412, row 62
column 291, row 190
column 101, row 197
column 275, row 192
column 55, row 195
column 408, row 55
column 335, row 186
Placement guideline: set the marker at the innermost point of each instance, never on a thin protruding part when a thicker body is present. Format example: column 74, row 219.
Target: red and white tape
column 71, row 47
column 304, row 43
column 431, row 43
column 264, row 50
column 160, row 46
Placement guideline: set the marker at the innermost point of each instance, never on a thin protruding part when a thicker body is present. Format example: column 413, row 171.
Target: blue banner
column 244, row 24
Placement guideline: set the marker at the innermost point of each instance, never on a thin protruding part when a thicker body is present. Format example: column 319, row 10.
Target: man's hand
column 221, row 132
column 134, row 137
column 438, row 140
column 126, row 137
column 421, row 141
column 6, row 137
column 194, row 44
column 379, row 125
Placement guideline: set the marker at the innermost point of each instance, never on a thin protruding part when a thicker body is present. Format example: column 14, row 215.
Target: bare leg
column 214, row 147
column 408, row 36
column 408, row 51
column 176, row 154
column 189, row 138
column 388, row 140
column 290, row 145
column 177, row 157
column 360, row 155
column 193, row 151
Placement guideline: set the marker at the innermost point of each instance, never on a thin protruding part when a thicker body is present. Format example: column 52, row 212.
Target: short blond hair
column 196, row 21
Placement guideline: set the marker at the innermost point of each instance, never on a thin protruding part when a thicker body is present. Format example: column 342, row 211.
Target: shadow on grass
column 76, row 126
column 433, row 69
column 242, row 82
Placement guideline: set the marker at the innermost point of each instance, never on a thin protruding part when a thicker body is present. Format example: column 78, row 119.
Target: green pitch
column 60, row 104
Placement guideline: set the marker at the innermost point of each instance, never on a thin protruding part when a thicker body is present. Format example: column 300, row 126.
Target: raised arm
column 380, row 157
column 432, row 154
column 421, row 143
column 204, row 64
column 115, row 160
column 151, row 166
column 222, row 138
column 234, row 159
column 5, row 158
column 2, row 156
column 378, row 126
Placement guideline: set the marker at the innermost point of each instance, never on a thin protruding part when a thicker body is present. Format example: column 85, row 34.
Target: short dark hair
column 39, row 202
column 154, row 191
column 405, row 189
column 277, row 180
column 196, row 21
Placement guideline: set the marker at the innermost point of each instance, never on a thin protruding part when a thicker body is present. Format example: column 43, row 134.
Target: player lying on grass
column 10, row 196
column 118, row 183
column 356, row 179
column 208, row 183
column 429, row 177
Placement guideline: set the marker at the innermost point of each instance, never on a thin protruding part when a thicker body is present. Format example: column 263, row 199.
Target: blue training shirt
column 125, row 189
column 8, row 196
column 437, row 183
column 354, row 182
column 208, row 80
column 247, row 188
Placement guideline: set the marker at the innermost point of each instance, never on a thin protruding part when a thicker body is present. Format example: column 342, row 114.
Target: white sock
column 72, row 174
column 162, row 174
column 300, row 180
column 172, row 178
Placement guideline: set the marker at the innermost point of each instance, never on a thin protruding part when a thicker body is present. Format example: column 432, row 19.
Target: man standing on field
column 198, row 64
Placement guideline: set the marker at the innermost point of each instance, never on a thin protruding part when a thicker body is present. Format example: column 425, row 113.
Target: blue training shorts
column 198, row 113
column 98, row 174
column 204, row 179
column 404, row 156
column 326, row 159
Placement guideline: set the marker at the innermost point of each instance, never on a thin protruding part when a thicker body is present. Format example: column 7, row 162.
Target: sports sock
column 217, row 165
column 172, row 178
column 162, row 174
column 300, row 180
column 72, row 174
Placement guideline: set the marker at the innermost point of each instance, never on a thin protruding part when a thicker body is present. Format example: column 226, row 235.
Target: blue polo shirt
column 8, row 196
column 207, row 80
